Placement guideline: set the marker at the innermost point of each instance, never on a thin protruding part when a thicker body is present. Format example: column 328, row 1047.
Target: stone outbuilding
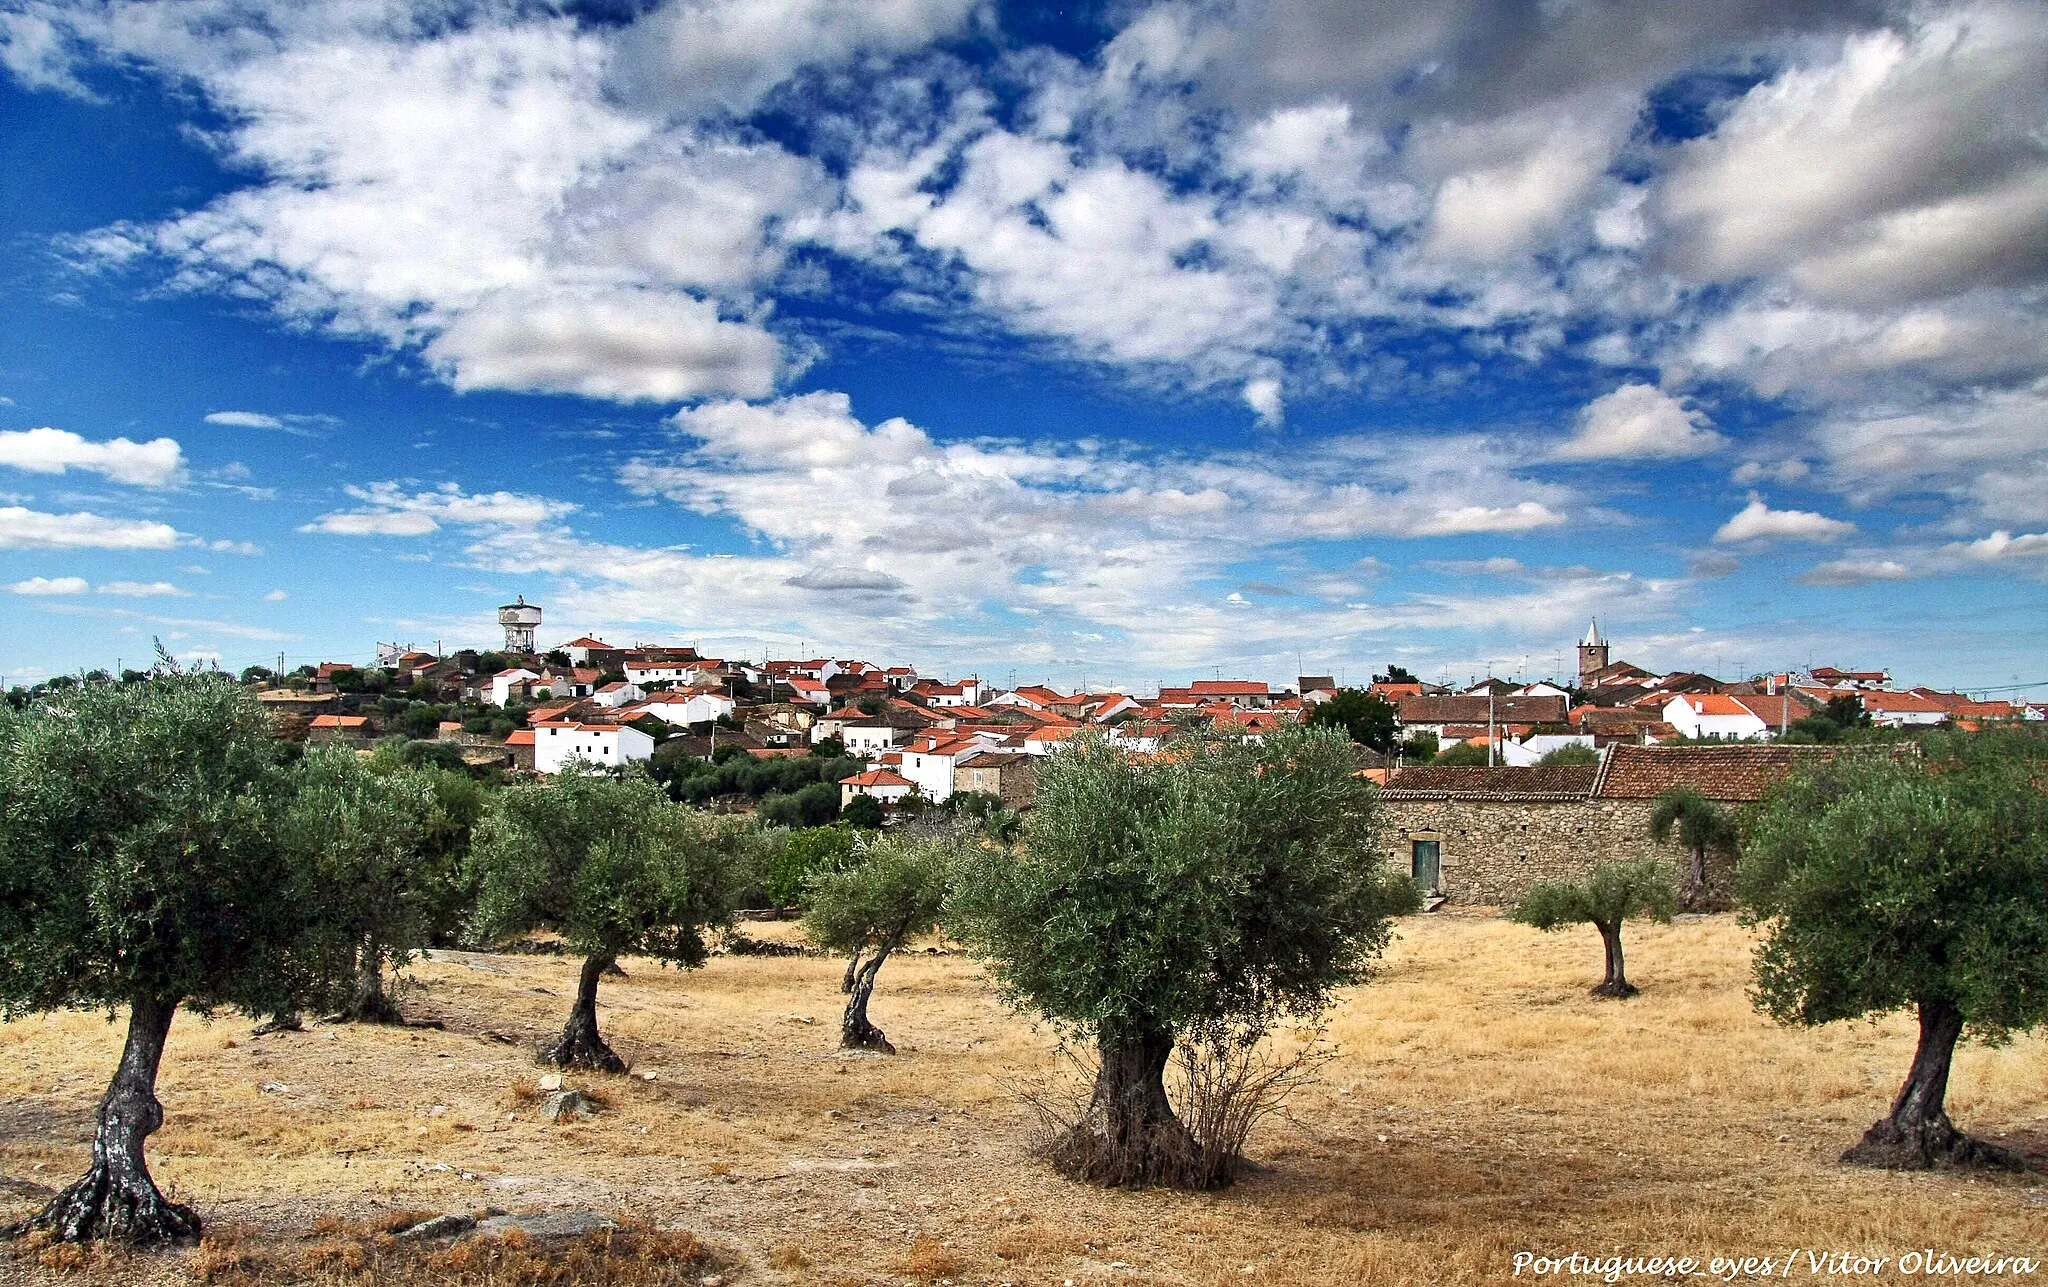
column 1484, row 835
column 1008, row 774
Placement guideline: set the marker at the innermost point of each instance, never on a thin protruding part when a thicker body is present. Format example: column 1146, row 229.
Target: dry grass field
column 1481, row 1104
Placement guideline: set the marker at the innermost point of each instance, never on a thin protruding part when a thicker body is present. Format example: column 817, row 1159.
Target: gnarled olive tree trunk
column 580, row 1046
column 855, row 1032
column 1129, row 1137
column 1616, row 983
column 369, row 1003
column 1917, row 1135
column 116, row 1199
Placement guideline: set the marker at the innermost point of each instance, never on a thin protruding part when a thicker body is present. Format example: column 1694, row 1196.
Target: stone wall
column 1492, row 851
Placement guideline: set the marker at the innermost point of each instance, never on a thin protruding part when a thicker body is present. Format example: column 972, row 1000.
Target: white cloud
column 231, row 629
column 143, row 590
column 1640, row 422
column 393, row 511
column 1758, row 522
column 1263, row 397
column 1984, row 451
column 156, row 463
column 1515, row 181
column 626, row 346
column 244, row 420
column 35, row 51
column 710, row 54
column 1790, row 470
column 276, row 596
column 2004, row 545
column 22, row 529
column 1855, row 572
column 1908, row 165
column 373, row 523
column 51, row 585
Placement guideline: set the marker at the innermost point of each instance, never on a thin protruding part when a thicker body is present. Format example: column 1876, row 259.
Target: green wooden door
column 1425, row 861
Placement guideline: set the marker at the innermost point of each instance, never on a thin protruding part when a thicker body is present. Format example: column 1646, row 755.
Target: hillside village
column 909, row 740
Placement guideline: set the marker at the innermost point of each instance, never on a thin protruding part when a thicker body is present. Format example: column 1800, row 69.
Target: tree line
column 160, row 849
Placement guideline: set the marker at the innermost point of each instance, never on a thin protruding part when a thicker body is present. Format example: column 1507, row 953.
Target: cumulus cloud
column 1907, row 164
column 24, row 529
column 2004, row 545
column 624, row 346
column 1759, row 522
column 156, row 463
column 41, row 585
column 1263, row 397
column 276, row 596
column 1639, row 422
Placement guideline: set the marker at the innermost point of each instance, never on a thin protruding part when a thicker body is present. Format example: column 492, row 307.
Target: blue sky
column 1128, row 342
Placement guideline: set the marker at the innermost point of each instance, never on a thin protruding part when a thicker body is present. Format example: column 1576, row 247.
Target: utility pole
column 1489, row 727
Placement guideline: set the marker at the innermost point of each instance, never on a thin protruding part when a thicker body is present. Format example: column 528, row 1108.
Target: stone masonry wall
column 1493, row 851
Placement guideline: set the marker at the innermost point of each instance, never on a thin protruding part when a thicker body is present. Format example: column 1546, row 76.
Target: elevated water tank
column 521, row 621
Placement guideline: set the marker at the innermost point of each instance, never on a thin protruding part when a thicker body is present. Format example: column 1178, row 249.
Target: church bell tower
column 1592, row 653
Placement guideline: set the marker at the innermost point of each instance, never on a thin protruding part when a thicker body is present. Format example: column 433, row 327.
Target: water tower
column 520, row 620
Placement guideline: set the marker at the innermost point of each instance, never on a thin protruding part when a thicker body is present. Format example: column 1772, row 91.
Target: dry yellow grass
column 1482, row 1104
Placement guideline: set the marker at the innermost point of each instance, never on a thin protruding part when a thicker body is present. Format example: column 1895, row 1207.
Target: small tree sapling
column 891, row 892
column 1612, row 893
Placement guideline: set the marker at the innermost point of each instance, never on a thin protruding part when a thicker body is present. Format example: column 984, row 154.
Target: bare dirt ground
column 1482, row 1104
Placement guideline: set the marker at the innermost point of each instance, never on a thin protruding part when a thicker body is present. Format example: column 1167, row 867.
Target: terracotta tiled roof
column 1229, row 688
column 1473, row 710
column 342, row 721
column 586, row 642
column 1732, row 773
column 1772, row 708
column 1713, row 704
column 1902, row 703
column 877, row 777
column 1533, row 783
column 520, row 737
column 993, row 760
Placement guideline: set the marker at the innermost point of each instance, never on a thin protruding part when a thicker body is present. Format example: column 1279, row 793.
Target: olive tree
column 1885, row 883
column 1227, row 882
column 141, row 867
column 1702, row 828
column 891, row 891
column 385, row 845
column 613, row 866
column 1611, row 893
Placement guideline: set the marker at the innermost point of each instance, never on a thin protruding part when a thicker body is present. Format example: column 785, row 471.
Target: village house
column 521, row 747
column 682, row 707
column 557, row 742
column 1004, row 774
column 1458, row 714
column 1484, row 835
column 511, row 685
column 619, row 693
column 1901, row 710
column 1850, row 680
column 887, row 786
column 350, row 729
column 1714, row 715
